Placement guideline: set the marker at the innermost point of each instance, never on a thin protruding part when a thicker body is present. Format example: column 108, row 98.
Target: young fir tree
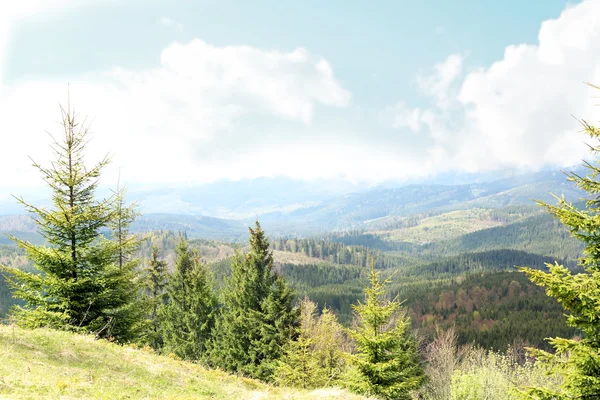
column 578, row 360
column 387, row 364
column 298, row 366
column 257, row 317
column 316, row 358
column 187, row 319
column 156, row 280
column 80, row 285
column 331, row 347
column 129, row 321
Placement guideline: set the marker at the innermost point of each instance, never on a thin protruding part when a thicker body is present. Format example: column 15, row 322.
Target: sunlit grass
column 449, row 225
column 37, row 364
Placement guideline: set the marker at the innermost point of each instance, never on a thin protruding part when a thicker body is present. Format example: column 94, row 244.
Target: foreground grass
column 42, row 363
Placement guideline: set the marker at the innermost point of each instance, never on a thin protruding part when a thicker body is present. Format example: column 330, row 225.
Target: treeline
column 493, row 310
column 338, row 287
column 488, row 302
column 492, row 318
column 372, row 241
column 504, row 215
column 539, row 234
column 335, row 252
column 492, row 260
column 10, row 256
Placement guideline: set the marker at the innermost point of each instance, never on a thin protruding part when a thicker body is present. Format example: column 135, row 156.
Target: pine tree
column 257, row 317
column 80, row 285
column 387, row 363
column 187, row 319
column 156, row 280
column 578, row 360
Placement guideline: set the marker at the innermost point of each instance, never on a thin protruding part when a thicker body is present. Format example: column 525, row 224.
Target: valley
column 452, row 251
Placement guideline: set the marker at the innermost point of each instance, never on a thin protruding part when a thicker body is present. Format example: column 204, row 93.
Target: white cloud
column 517, row 112
column 171, row 23
column 401, row 116
column 440, row 82
column 180, row 120
column 206, row 112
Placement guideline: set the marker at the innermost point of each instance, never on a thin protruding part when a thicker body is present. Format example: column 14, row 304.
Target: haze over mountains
column 223, row 210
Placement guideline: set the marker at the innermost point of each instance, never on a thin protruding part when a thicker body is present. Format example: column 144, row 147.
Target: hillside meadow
column 48, row 364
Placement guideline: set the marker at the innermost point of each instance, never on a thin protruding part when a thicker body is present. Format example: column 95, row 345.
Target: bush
column 491, row 375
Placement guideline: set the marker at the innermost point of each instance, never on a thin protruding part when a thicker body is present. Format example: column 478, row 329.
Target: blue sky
column 377, row 51
column 194, row 91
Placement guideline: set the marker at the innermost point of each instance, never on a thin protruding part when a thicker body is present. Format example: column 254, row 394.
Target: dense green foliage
column 188, row 317
column 492, row 310
column 156, row 280
column 387, row 363
column 317, row 357
column 257, row 317
column 10, row 256
column 577, row 360
column 539, row 234
column 84, row 281
column 335, row 252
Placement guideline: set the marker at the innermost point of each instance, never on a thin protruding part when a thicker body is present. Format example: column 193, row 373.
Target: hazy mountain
column 351, row 211
column 289, row 207
column 195, row 226
column 240, row 199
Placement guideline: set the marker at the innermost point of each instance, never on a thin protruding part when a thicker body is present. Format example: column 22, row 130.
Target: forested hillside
column 439, row 259
column 312, row 305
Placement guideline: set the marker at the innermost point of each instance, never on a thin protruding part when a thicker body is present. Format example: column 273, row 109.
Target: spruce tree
column 387, row 364
column 79, row 284
column 257, row 317
column 187, row 319
column 156, row 280
column 128, row 321
column 577, row 360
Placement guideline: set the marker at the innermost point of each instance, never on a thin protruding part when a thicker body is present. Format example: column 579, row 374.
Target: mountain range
column 287, row 207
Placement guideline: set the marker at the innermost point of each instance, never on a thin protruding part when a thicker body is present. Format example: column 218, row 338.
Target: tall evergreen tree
column 124, row 215
column 387, row 364
column 578, row 360
column 79, row 285
column 129, row 321
column 187, row 319
column 257, row 317
column 156, row 280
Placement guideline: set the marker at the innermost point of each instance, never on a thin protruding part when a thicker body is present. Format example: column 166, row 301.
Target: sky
column 188, row 92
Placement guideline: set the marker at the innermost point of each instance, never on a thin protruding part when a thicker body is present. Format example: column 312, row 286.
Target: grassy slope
column 452, row 224
column 50, row 364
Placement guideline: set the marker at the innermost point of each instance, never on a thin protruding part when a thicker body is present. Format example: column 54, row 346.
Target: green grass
column 450, row 225
column 47, row 364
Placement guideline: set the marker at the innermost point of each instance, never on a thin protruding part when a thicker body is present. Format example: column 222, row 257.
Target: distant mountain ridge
column 287, row 207
column 351, row 211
